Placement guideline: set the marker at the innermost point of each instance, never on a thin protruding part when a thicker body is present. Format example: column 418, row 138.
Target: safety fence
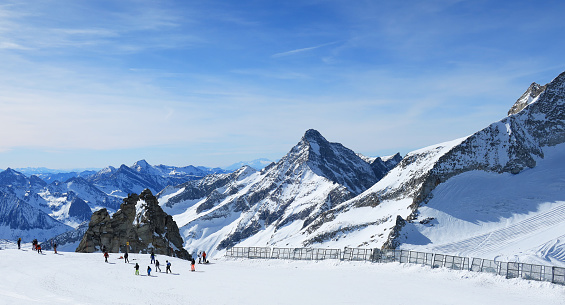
column 507, row 269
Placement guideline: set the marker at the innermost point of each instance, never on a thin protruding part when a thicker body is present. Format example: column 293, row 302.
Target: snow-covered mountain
column 19, row 218
column 49, row 175
column 223, row 210
column 257, row 164
column 141, row 175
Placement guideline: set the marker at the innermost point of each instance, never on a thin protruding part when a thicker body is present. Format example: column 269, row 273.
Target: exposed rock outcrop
column 140, row 226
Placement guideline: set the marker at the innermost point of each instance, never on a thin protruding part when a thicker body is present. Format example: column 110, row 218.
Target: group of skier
column 35, row 246
column 202, row 257
column 155, row 262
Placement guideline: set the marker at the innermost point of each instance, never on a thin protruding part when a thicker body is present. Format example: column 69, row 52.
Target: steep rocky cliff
column 141, row 223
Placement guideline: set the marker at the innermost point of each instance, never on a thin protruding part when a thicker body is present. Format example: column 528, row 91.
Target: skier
column 152, row 257
column 19, row 242
column 192, row 262
column 106, row 256
column 204, row 257
column 126, row 260
column 34, row 244
column 148, row 271
column 168, row 268
column 55, row 248
column 157, row 266
column 199, row 256
column 136, row 268
column 38, row 247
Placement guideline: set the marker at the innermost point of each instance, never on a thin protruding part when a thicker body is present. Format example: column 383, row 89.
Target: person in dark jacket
column 157, row 268
column 19, row 242
column 152, row 257
column 168, row 267
column 126, row 260
column 192, row 263
column 106, row 256
column 136, row 268
column 148, row 271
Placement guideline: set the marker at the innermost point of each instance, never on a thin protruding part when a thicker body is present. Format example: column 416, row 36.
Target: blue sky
column 98, row 83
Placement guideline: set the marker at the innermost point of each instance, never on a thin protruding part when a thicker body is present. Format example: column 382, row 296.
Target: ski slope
column 488, row 215
column 78, row 278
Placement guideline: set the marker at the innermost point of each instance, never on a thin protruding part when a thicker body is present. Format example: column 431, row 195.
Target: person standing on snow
column 106, row 256
column 157, row 268
column 136, row 268
column 55, row 248
column 204, row 257
column 148, row 271
column 126, row 260
column 192, row 262
column 152, row 257
column 199, row 257
column 38, row 247
column 168, row 268
column 19, row 242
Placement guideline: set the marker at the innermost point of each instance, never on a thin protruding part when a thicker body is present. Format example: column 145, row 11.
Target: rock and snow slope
column 270, row 206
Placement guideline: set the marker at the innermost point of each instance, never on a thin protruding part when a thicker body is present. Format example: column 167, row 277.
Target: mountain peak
column 313, row 135
column 141, row 163
column 527, row 98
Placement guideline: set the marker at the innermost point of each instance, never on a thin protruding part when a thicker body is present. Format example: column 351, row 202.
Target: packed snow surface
column 78, row 278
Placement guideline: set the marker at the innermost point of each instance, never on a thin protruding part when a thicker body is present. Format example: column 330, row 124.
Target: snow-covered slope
column 31, row 278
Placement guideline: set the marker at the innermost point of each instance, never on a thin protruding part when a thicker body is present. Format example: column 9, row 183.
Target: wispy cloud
column 297, row 51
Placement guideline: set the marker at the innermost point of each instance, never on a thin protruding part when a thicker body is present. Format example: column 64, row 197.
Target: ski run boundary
column 508, row 270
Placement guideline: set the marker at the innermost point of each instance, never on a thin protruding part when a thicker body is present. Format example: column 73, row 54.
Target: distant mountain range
column 47, row 203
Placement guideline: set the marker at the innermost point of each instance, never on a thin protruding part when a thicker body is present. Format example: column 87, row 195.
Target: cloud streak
column 302, row 50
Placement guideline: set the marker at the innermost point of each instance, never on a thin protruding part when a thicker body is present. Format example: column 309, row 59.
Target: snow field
column 77, row 278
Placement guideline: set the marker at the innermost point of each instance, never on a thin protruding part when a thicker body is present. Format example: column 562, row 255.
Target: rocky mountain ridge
column 313, row 177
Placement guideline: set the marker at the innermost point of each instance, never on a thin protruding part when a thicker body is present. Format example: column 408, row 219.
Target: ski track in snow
column 498, row 239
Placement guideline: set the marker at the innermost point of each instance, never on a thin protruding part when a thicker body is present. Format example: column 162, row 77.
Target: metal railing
column 509, row 270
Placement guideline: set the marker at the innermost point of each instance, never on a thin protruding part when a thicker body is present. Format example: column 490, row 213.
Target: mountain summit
column 313, row 177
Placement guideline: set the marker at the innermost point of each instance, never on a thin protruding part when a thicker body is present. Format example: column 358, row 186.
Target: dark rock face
column 79, row 209
column 336, row 162
column 381, row 168
column 140, row 222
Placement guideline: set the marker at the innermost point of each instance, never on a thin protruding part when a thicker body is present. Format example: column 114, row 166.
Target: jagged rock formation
column 140, row 222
